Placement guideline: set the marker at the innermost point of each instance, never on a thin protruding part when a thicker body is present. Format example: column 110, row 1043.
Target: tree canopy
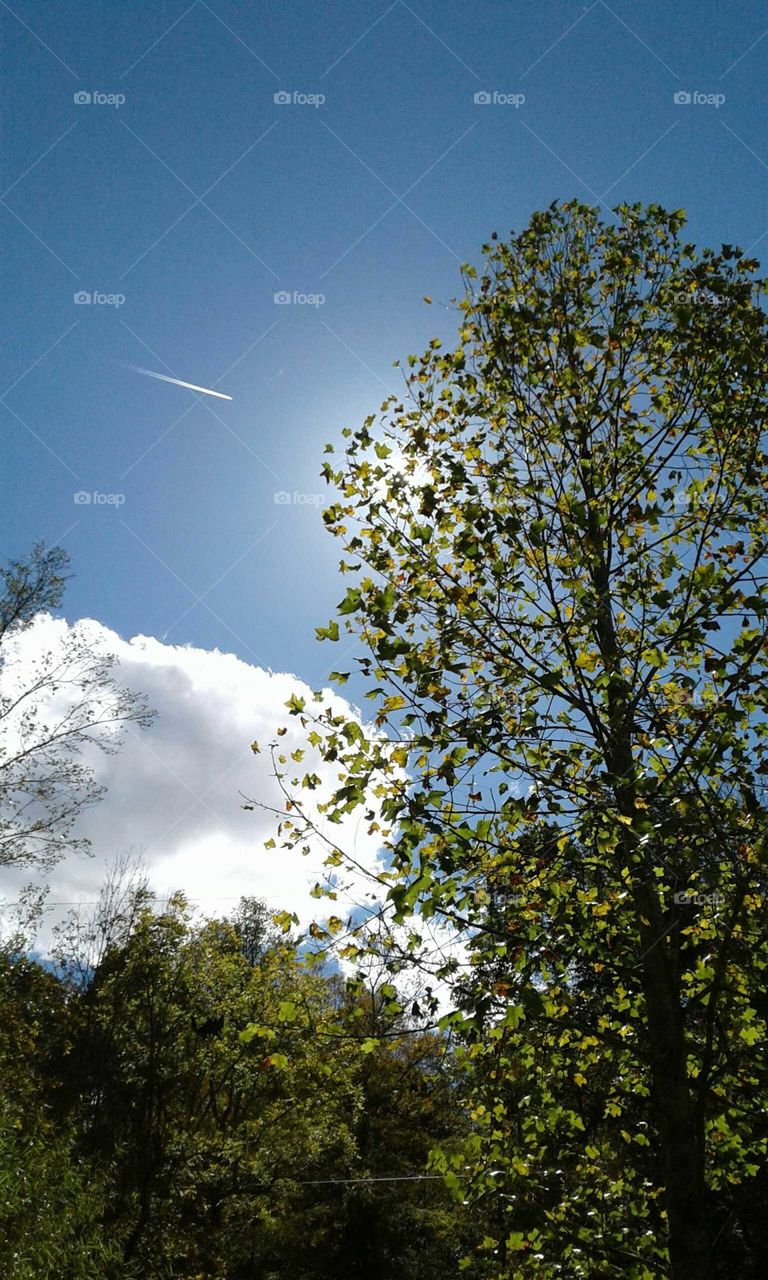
column 197, row 1102
column 557, row 541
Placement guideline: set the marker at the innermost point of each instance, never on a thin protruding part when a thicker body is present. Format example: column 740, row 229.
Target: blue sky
column 199, row 197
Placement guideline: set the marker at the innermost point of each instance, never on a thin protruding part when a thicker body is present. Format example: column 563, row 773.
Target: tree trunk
column 680, row 1130
column 679, row 1121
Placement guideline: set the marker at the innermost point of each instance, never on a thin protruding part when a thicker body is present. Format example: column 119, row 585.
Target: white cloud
column 174, row 790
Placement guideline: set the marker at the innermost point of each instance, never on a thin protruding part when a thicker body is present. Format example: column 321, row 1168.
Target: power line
column 403, row 1177
column 95, row 902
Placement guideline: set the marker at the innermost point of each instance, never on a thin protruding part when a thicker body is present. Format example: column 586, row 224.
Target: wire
column 95, row 902
column 403, row 1177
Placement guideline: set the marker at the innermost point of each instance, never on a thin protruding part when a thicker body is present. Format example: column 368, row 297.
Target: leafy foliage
column 196, row 1102
column 557, row 539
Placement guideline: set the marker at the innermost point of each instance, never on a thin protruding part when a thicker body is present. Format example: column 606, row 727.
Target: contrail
column 178, row 383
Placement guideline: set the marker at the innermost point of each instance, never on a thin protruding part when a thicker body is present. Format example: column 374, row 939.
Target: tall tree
column 60, row 700
column 558, row 539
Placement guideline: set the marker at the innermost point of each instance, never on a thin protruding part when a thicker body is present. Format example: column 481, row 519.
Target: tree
column 397, row 1221
column 201, row 1079
column 85, row 936
column 558, row 538
column 253, row 926
column 62, row 699
column 192, row 1103
column 50, row 1209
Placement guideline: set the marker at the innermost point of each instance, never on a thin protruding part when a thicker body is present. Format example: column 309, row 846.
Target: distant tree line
column 196, row 1103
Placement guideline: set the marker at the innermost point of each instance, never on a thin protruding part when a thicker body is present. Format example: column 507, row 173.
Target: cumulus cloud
column 175, row 791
